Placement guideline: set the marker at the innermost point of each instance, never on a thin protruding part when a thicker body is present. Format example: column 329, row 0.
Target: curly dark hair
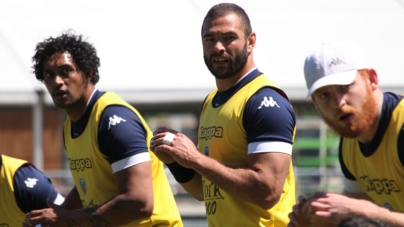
column 224, row 9
column 83, row 53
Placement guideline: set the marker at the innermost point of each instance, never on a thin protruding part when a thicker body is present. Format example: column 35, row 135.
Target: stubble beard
column 364, row 118
column 72, row 101
column 235, row 66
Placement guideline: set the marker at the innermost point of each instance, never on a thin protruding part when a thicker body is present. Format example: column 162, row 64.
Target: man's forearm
column 245, row 184
column 118, row 211
column 391, row 218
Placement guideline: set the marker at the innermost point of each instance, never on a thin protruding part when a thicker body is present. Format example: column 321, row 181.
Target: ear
column 251, row 40
column 90, row 77
column 374, row 80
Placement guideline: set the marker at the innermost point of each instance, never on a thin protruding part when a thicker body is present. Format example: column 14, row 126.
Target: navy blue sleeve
column 121, row 133
column 269, row 116
column 32, row 188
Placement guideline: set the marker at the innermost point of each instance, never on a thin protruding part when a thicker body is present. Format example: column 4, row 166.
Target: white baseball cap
column 334, row 63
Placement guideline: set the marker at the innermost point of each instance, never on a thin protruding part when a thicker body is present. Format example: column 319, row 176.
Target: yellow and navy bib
column 379, row 170
column 10, row 214
column 223, row 138
column 93, row 175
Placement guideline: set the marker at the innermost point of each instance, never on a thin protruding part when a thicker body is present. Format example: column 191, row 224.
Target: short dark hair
column 224, row 9
column 83, row 53
column 362, row 222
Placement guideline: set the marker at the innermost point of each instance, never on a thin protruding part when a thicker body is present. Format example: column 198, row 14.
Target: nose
column 54, row 81
column 219, row 47
column 338, row 98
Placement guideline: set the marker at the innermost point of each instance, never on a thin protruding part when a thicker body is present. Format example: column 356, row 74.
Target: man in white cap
column 345, row 91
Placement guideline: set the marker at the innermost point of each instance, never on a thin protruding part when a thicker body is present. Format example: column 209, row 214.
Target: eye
column 229, row 37
column 66, row 71
column 208, row 39
column 343, row 88
column 47, row 75
column 323, row 95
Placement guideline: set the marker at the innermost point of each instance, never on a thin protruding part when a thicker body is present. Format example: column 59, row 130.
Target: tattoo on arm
column 96, row 219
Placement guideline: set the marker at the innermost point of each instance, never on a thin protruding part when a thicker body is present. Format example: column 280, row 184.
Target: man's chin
column 222, row 76
column 344, row 131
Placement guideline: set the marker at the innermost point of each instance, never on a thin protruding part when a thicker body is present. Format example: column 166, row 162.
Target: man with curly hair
column 118, row 181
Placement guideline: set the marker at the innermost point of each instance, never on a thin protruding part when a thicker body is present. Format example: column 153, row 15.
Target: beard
column 365, row 116
column 237, row 63
column 72, row 99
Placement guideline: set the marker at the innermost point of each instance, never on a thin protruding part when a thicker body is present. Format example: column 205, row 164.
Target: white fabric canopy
column 151, row 51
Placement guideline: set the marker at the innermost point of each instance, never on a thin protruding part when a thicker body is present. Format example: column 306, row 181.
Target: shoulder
column 269, row 116
column 269, row 99
column 115, row 114
column 32, row 188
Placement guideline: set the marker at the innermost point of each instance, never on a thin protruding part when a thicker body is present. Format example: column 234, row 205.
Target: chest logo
column 209, row 132
column 268, row 102
column 83, row 186
column 206, row 151
column 380, row 186
column 114, row 120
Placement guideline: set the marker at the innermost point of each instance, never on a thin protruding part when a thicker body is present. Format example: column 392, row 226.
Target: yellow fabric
column 93, row 174
column 10, row 214
column 222, row 137
column 381, row 181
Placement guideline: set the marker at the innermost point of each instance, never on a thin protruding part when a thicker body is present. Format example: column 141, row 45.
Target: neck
column 76, row 111
column 225, row 84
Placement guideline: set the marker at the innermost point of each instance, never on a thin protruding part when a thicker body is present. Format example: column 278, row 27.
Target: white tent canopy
column 151, row 51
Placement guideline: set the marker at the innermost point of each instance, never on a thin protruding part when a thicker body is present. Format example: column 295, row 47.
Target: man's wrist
column 180, row 173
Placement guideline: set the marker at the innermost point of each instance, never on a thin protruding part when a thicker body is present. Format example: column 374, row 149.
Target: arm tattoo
column 96, row 220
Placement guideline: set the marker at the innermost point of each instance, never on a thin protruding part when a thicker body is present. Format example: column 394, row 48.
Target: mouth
column 346, row 117
column 220, row 60
column 59, row 93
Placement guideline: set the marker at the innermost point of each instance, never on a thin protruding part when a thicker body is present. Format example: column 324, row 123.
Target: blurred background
column 151, row 55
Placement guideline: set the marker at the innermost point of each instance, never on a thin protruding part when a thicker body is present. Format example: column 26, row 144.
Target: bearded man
column 346, row 93
column 242, row 166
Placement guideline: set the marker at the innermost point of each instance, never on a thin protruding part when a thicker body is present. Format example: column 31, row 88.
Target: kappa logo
column 209, row 132
column 380, row 186
column 268, row 103
column 30, row 182
column 114, row 120
column 336, row 61
column 80, row 164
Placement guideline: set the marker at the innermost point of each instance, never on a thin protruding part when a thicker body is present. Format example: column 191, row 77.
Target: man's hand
column 301, row 213
column 334, row 208
column 53, row 216
column 163, row 156
column 181, row 149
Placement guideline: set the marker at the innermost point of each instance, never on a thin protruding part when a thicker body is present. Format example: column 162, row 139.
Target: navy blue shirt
column 264, row 124
column 122, row 140
column 32, row 188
